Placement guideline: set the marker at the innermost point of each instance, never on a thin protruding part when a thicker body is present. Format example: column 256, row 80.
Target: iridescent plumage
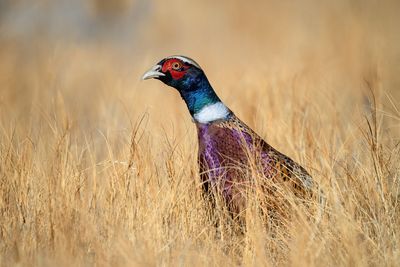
column 227, row 149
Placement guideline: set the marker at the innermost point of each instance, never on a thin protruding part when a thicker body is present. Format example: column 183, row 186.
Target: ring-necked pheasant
column 228, row 148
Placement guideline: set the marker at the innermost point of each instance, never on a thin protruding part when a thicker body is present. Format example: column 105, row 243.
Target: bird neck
column 203, row 103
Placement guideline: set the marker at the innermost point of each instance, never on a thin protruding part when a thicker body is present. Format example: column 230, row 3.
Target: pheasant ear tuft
column 186, row 60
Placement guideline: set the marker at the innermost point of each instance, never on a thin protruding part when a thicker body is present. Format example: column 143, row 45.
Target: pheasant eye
column 176, row 66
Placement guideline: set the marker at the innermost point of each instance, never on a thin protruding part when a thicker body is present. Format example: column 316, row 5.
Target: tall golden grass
column 98, row 168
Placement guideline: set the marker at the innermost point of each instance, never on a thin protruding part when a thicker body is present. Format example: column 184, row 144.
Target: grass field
column 98, row 168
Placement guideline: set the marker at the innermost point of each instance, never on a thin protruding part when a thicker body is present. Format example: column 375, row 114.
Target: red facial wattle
column 176, row 74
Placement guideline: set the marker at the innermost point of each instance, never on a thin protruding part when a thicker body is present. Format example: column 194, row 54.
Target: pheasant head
column 186, row 76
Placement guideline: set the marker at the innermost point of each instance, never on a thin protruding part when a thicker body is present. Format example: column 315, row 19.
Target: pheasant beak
column 154, row 72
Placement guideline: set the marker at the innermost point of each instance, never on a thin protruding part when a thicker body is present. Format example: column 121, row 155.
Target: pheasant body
column 230, row 153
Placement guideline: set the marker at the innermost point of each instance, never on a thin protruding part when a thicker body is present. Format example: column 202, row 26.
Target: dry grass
column 98, row 168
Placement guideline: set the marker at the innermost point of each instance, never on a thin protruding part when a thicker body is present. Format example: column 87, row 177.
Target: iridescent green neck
column 197, row 93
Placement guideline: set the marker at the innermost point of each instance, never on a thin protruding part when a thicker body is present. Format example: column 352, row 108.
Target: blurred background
column 84, row 50
column 277, row 64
